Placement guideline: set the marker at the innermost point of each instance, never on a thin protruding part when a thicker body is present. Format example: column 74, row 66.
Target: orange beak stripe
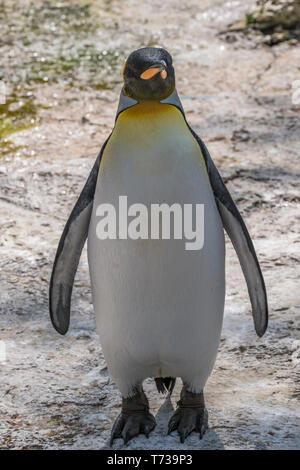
column 123, row 70
column 149, row 73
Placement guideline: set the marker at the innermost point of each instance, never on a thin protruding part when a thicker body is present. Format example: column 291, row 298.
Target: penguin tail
column 165, row 384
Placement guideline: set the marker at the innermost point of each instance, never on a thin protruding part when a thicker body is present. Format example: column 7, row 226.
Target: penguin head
column 149, row 75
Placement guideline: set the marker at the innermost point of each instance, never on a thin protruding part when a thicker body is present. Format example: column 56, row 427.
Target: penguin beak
column 154, row 70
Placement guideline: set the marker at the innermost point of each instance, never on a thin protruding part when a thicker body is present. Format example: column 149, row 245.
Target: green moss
column 7, row 147
column 46, row 42
column 55, row 42
column 48, row 17
column 75, row 65
column 249, row 18
column 18, row 113
column 54, row 422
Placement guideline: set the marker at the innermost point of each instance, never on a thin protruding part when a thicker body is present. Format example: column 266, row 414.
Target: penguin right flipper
column 68, row 252
column 241, row 240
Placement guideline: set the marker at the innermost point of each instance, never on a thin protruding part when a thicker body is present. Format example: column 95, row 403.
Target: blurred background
column 237, row 66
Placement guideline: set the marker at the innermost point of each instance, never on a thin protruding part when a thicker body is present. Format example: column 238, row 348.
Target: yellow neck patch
column 150, row 117
column 153, row 127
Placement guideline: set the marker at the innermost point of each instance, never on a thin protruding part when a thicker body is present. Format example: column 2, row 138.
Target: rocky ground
column 62, row 63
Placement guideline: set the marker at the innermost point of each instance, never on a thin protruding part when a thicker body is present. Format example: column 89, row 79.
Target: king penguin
column 158, row 307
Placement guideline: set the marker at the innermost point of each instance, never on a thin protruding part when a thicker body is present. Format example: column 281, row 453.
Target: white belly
column 159, row 307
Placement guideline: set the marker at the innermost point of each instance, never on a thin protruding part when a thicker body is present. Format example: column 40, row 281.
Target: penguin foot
column 134, row 418
column 190, row 415
column 131, row 425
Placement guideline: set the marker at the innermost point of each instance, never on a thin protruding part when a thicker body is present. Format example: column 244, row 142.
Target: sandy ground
column 56, row 391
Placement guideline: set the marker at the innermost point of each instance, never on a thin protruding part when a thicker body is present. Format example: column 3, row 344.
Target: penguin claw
column 183, row 436
column 202, row 432
column 117, row 429
column 203, row 425
column 131, row 425
column 148, row 425
column 174, row 422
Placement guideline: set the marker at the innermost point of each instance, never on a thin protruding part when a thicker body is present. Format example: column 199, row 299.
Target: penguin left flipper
column 241, row 240
column 68, row 252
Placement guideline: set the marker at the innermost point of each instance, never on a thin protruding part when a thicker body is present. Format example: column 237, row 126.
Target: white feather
column 159, row 307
